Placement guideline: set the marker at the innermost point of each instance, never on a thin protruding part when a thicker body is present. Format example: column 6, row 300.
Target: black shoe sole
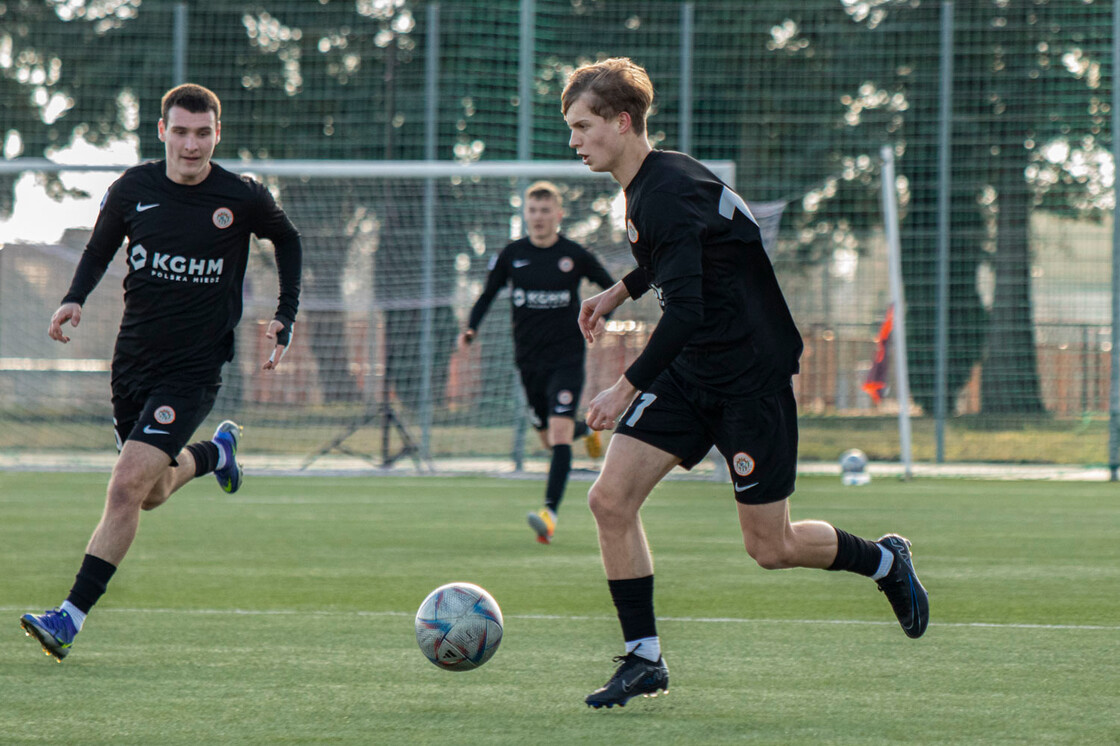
column 608, row 705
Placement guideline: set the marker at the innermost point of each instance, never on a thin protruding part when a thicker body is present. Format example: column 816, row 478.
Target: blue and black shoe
column 226, row 437
column 635, row 675
column 54, row 629
column 908, row 598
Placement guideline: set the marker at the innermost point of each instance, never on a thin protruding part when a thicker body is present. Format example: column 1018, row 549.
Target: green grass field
column 283, row 615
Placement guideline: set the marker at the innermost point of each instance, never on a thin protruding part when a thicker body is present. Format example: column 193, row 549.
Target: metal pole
column 944, row 208
column 525, row 74
column 686, row 78
column 525, row 81
column 2, row 296
column 1086, row 355
column 386, row 407
column 1114, row 375
column 898, row 299
column 431, row 110
column 179, row 45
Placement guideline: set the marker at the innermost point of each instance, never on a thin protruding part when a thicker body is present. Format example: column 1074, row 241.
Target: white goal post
column 725, row 170
column 395, row 253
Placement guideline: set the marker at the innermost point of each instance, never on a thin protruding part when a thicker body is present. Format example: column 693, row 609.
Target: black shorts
column 165, row 418
column 552, row 392
column 757, row 437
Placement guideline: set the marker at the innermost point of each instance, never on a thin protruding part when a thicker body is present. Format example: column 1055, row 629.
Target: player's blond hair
column 544, row 190
column 612, row 86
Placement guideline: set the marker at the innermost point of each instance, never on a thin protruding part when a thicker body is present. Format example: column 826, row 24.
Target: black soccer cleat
column 908, row 598
column 636, row 675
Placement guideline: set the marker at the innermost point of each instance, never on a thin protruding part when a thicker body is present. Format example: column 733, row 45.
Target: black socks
column 90, row 583
column 558, row 476
column 634, row 600
column 205, row 454
column 856, row 555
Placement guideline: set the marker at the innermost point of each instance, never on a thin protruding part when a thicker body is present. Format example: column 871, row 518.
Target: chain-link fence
column 799, row 97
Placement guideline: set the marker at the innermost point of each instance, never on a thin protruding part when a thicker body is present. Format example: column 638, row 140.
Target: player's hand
column 465, row 340
column 283, row 335
column 71, row 312
column 592, row 311
column 608, row 406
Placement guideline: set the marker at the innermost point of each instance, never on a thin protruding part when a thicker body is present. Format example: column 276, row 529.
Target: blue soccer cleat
column 901, row 586
column 226, row 437
column 54, row 629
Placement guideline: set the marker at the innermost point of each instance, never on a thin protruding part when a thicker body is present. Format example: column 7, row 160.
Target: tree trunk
column 1010, row 375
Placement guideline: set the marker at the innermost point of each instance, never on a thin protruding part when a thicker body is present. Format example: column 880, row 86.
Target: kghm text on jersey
column 176, row 268
column 541, row 298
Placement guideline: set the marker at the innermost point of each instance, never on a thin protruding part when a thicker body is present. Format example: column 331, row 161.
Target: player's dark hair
column 194, row 98
column 544, row 190
column 612, row 86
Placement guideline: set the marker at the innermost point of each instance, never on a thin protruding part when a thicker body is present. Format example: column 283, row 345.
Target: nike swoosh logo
column 745, row 487
column 519, row 263
column 140, row 207
column 561, row 410
column 149, row 430
column 628, row 685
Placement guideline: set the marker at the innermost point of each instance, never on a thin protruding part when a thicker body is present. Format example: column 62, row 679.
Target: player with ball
column 716, row 370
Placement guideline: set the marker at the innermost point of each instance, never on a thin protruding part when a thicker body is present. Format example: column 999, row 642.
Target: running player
column 717, row 370
column 188, row 223
column 544, row 270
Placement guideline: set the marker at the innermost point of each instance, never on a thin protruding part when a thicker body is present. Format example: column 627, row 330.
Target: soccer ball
column 853, row 467
column 459, row 626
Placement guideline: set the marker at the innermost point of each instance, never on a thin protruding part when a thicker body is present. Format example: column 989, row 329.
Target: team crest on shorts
column 164, row 415
column 564, row 397
column 631, row 231
column 222, row 217
column 566, row 264
column 742, row 463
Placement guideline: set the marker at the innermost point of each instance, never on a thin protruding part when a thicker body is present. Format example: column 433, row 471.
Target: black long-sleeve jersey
column 544, row 302
column 725, row 324
column 187, row 251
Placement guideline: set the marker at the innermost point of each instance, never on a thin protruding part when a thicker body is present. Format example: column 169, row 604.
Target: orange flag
column 877, row 376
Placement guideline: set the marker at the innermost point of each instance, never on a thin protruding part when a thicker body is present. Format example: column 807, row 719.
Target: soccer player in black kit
column 187, row 222
column 716, row 370
column 544, row 270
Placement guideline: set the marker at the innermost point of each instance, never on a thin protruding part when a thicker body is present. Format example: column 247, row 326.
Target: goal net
column 395, row 254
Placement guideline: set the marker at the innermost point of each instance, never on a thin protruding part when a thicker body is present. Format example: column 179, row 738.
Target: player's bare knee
column 770, row 555
column 160, row 492
column 607, row 506
column 124, row 494
column 131, row 490
column 154, row 500
column 597, row 500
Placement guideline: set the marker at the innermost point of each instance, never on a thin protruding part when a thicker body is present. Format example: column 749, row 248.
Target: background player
column 188, row 223
column 717, row 370
column 544, row 271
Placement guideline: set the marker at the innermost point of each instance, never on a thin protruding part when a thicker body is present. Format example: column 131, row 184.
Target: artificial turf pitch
column 283, row 614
